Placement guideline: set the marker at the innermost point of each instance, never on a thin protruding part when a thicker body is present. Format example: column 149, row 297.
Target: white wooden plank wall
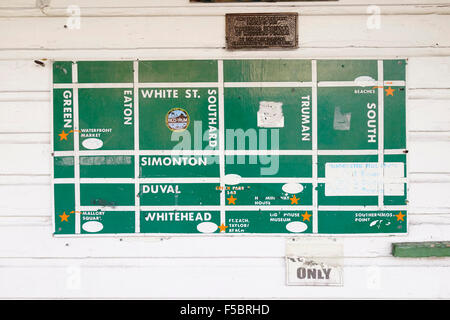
column 34, row 264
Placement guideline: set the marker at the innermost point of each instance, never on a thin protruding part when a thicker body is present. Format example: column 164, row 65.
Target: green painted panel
column 244, row 108
column 95, row 222
column 421, row 249
column 198, row 116
column 178, row 71
column 107, row 194
column 362, row 221
column 179, row 194
column 179, row 166
column 346, row 70
column 105, row 71
column 395, row 118
column 180, row 221
column 107, row 167
column 347, row 118
column 63, row 167
column 63, row 119
column 64, row 199
column 269, row 221
column 62, row 72
column 106, row 119
column 269, row 165
column 267, row 194
column 266, row 70
column 394, row 70
column 266, row 148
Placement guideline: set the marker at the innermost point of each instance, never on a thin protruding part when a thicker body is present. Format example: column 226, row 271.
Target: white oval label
column 92, row 226
column 296, row 226
column 292, row 188
column 92, row 143
column 232, row 179
column 207, row 227
column 364, row 81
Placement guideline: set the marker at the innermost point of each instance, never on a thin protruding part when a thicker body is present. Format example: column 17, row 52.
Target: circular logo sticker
column 177, row 119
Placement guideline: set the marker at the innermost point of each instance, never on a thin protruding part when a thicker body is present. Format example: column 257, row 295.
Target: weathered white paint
column 34, row 264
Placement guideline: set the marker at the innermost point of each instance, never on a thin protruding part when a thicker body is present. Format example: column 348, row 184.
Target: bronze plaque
column 261, row 30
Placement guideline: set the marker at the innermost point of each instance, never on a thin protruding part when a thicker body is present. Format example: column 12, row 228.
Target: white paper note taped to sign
column 270, row 115
column 361, row 179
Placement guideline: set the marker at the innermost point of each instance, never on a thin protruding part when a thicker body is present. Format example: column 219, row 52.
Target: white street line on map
column 380, row 136
column 221, row 107
column 137, row 213
column 76, row 148
column 238, row 208
column 91, row 85
column 314, row 139
column 267, row 84
column 227, row 152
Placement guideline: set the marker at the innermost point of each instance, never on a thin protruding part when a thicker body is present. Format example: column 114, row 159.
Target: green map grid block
column 267, row 194
column 244, row 108
column 107, row 166
column 267, row 70
column 346, row 70
column 62, row 72
column 291, row 221
column 342, row 222
column 105, row 71
column 105, row 120
column 179, row 166
column 107, row 114
column 63, row 167
column 395, row 109
column 107, row 194
column 182, row 194
column 180, row 221
column 178, row 71
column 107, row 222
column 347, row 118
column 63, row 121
column 200, row 108
column 394, row 70
column 64, row 205
column 284, row 166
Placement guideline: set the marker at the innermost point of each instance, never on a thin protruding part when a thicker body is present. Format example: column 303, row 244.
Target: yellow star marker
column 306, row 216
column 294, row 199
column 231, row 200
column 400, row 216
column 64, row 217
column 222, row 227
column 389, row 91
column 63, row 135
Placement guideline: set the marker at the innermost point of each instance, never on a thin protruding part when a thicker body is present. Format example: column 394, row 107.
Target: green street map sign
column 229, row 147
